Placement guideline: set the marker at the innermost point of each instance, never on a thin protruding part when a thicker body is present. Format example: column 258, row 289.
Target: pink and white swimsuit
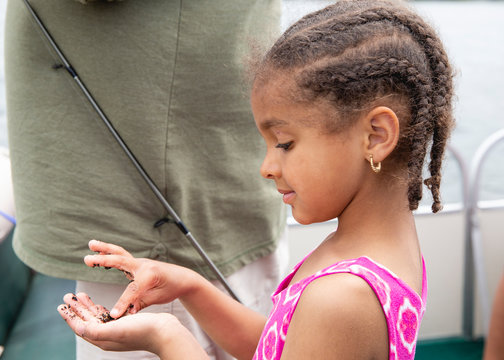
column 402, row 306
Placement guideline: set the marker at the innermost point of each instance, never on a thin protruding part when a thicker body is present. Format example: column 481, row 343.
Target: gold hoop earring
column 375, row 168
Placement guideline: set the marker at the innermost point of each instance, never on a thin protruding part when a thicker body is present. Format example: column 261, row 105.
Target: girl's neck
column 380, row 227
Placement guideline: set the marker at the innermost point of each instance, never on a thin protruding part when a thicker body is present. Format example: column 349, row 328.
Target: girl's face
column 319, row 174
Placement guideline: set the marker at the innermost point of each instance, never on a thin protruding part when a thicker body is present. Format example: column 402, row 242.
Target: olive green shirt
column 169, row 76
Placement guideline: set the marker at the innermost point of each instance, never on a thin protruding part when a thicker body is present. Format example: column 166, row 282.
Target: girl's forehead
column 274, row 103
column 273, row 93
column 277, row 88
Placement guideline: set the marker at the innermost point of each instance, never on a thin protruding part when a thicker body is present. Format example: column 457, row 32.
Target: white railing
column 474, row 268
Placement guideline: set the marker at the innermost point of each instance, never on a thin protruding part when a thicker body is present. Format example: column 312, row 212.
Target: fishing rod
column 174, row 217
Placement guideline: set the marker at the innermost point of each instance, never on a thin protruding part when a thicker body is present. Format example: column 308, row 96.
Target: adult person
column 168, row 75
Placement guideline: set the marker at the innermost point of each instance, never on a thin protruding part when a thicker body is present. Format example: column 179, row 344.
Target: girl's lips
column 288, row 196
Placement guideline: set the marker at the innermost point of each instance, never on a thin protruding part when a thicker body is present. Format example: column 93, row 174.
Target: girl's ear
column 382, row 133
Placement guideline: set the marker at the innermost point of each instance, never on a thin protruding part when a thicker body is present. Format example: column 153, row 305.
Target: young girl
column 348, row 101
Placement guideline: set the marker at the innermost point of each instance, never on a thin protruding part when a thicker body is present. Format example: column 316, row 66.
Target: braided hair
column 358, row 53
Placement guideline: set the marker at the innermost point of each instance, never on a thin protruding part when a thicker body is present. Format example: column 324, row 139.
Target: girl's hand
column 161, row 334
column 152, row 282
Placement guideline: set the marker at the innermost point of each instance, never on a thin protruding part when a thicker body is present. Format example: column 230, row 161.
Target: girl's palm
column 92, row 323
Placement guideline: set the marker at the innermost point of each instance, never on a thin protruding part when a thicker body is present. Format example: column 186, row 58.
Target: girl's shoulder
column 339, row 316
column 362, row 301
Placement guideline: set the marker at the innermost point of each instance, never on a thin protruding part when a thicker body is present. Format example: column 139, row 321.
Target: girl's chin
column 303, row 220
column 306, row 219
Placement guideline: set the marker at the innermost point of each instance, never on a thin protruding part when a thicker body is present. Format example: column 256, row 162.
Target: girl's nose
column 270, row 168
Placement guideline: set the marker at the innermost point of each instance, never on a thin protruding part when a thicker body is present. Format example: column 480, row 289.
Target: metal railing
column 474, row 268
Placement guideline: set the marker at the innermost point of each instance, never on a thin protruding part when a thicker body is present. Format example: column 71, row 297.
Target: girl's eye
column 284, row 146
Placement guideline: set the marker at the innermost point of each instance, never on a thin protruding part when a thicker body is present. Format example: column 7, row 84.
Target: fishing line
column 174, row 217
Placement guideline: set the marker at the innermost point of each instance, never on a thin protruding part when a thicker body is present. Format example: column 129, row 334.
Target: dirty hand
column 152, row 282
column 167, row 337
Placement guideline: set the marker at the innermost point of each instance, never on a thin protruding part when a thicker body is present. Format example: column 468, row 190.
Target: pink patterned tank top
column 402, row 306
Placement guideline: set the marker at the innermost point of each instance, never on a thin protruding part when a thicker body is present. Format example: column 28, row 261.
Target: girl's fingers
column 106, row 248
column 128, row 302
column 79, row 308
column 99, row 311
column 72, row 319
column 125, row 264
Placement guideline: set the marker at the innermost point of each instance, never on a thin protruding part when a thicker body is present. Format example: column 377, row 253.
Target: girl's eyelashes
column 284, row 146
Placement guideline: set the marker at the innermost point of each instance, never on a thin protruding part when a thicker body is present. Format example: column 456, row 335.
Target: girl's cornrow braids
column 441, row 78
column 346, row 82
column 423, row 34
column 419, row 30
column 314, row 33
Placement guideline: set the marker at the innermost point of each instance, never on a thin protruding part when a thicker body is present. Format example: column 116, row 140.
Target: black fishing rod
column 174, row 217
